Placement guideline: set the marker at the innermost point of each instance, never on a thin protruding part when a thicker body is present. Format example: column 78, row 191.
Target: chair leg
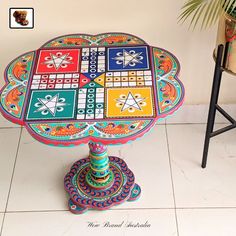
column 214, row 99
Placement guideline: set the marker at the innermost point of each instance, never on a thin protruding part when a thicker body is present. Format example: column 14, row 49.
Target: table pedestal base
column 102, row 193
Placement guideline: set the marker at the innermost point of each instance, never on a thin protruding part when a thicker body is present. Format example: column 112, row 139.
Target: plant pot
column 227, row 33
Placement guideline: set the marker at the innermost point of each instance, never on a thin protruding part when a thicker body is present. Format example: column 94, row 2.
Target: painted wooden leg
column 76, row 209
column 100, row 176
column 99, row 181
column 135, row 193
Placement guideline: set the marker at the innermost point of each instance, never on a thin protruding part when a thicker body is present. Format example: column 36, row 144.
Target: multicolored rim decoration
column 109, row 88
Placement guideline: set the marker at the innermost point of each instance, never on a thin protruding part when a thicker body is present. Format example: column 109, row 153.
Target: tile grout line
column 14, row 166
column 13, row 171
column 172, row 182
column 206, row 208
column 10, row 127
column 126, row 209
column 196, row 123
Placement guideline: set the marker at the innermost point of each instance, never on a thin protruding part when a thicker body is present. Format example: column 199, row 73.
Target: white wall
column 153, row 20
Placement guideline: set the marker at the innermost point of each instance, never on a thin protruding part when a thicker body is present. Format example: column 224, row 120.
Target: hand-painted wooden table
column 101, row 90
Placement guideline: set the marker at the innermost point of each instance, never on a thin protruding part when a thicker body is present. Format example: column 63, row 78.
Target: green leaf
column 194, row 16
column 228, row 5
column 206, row 15
column 205, row 12
column 192, row 2
column 190, row 8
column 184, row 15
column 216, row 13
column 199, row 15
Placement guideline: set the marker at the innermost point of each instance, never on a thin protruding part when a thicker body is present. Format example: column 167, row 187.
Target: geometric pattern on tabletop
column 55, row 81
column 128, row 58
column 93, row 62
column 58, row 61
column 128, row 78
column 51, row 105
column 129, row 102
column 108, row 88
column 90, row 103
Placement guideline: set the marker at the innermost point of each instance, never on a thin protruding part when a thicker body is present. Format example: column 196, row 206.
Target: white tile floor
column 178, row 197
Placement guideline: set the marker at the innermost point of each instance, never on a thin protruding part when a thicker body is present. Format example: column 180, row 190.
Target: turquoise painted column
column 100, row 176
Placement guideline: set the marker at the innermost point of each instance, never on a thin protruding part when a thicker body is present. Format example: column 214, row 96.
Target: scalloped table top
column 109, row 88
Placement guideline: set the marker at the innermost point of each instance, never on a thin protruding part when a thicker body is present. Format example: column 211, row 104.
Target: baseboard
column 194, row 114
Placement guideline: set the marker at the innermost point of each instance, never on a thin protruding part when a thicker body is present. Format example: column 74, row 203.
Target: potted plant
column 208, row 12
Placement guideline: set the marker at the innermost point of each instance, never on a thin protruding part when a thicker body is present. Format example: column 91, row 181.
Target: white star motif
column 128, row 58
column 50, row 105
column 130, row 101
column 58, row 61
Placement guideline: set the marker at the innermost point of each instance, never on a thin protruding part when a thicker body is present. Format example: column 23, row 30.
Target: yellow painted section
column 100, row 79
column 139, row 105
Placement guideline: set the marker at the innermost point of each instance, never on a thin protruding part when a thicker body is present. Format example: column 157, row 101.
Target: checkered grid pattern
column 131, row 78
column 90, row 103
column 93, row 61
column 55, row 81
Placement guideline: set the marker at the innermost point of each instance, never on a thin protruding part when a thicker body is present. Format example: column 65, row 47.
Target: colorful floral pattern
column 13, row 94
column 170, row 90
column 114, row 39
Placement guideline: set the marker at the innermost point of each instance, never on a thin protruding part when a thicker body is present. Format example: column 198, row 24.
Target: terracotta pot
column 227, row 33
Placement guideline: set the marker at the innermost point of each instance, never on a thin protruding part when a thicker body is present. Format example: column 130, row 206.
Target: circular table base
column 83, row 197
